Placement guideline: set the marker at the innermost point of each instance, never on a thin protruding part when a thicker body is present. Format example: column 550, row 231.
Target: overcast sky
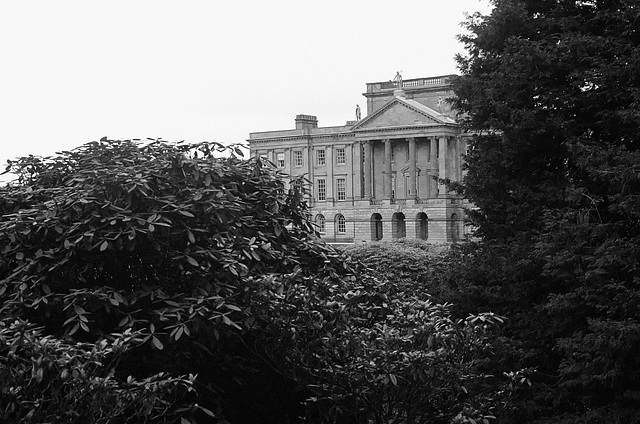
column 75, row 71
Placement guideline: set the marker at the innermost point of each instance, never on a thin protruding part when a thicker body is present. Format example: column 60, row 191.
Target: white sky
column 74, row 71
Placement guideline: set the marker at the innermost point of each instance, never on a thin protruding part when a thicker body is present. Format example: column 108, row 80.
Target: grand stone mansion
column 377, row 177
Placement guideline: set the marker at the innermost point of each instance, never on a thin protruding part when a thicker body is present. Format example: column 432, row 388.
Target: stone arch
column 422, row 226
column 398, row 225
column 376, row 227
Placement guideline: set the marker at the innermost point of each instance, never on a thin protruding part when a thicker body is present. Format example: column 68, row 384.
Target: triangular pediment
column 402, row 113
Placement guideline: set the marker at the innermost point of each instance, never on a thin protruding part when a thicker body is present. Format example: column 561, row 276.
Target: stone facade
column 377, row 178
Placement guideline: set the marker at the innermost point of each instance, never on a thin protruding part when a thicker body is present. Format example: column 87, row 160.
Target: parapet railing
column 416, row 82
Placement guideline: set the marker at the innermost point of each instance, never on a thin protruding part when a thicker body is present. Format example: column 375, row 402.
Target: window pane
column 280, row 160
column 320, row 222
column 321, row 157
column 297, row 158
column 322, row 189
column 341, row 157
column 341, row 224
column 341, row 188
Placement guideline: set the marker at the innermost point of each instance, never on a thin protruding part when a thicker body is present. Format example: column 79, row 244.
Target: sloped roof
column 399, row 112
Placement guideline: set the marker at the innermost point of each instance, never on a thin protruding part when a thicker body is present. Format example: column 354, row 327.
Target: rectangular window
column 280, row 160
column 322, row 189
column 341, row 157
column 297, row 158
column 321, row 158
column 341, row 188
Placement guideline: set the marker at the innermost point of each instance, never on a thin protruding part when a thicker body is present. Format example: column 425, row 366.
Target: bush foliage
column 164, row 282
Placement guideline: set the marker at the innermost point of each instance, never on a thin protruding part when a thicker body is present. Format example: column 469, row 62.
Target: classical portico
column 379, row 177
column 421, row 176
column 402, row 141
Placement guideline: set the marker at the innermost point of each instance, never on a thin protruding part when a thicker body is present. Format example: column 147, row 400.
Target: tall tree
column 552, row 89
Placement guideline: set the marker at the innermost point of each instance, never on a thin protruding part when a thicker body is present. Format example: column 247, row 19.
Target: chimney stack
column 304, row 122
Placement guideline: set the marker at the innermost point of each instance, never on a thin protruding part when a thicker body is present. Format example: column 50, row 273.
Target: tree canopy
column 551, row 90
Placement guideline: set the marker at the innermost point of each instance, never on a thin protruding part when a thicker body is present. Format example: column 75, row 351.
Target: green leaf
column 232, row 307
column 393, row 379
column 157, row 343
column 178, row 333
column 206, row 411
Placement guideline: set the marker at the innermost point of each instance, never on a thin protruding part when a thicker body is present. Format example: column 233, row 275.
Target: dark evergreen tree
column 552, row 89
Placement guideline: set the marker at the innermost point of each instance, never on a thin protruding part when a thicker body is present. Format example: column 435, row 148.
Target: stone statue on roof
column 398, row 80
column 358, row 112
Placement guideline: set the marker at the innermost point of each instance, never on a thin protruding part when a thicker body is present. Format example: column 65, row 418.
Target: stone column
column 367, row 169
column 329, row 163
column 433, row 165
column 455, row 172
column 434, row 153
column 387, row 168
column 442, row 164
column 412, row 167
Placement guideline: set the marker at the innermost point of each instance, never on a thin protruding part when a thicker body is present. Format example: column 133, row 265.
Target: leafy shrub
column 45, row 379
column 371, row 349
column 157, row 239
column 406, row 262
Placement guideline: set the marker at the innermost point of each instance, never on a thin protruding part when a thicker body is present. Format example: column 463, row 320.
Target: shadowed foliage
column 551, row 90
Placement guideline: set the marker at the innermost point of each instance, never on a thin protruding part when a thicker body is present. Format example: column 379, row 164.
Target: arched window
column 320, row 223
column 376, row 227
column 398, row 226
column 422, row 226
column 341, row 224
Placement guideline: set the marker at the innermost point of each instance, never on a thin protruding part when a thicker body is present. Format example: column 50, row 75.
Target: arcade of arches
column 397, row 229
